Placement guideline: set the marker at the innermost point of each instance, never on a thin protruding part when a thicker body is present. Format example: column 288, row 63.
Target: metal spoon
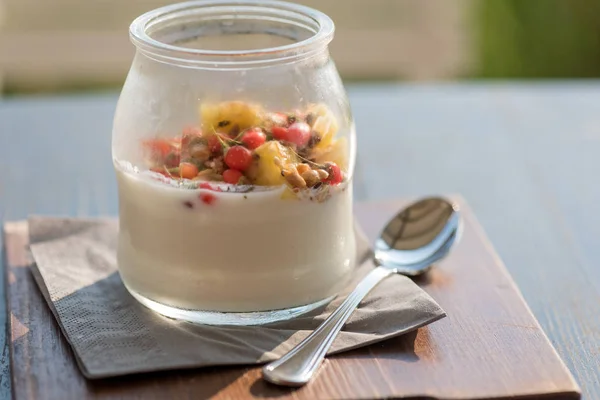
column 411, row 242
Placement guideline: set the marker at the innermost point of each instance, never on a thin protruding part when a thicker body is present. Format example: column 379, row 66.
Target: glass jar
column 234, row 148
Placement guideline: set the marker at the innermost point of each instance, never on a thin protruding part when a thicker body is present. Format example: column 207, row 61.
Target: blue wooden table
column 523, row 155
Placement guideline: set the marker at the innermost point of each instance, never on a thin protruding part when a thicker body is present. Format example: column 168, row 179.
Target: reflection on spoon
column 416, row 234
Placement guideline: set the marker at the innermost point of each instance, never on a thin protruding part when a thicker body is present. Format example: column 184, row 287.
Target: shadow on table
column 401, row 348
column 190, row 383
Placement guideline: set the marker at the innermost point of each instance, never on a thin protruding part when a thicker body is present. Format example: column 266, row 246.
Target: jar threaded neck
column 182, row 33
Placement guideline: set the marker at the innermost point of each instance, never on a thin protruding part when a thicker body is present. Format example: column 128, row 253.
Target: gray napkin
column 112, row 334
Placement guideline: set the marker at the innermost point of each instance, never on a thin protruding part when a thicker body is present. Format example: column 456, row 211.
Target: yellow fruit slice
column 326, row 127
column 223, row 116
column 268, row 173
column 318, row 109
column 337, row 152
column 325, row 124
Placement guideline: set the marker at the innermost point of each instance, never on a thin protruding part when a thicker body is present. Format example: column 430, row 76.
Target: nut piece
column 302, row 168
column 216, row 164
column 294, row 178
column 200, row 152
column 322, row 174
column 311, row 177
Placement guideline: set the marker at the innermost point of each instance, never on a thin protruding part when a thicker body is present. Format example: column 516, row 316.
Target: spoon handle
column 299, row 365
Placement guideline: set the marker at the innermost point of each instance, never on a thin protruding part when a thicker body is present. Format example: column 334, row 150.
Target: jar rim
column 322, row 29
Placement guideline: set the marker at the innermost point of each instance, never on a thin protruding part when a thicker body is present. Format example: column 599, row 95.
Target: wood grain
column 489, row 346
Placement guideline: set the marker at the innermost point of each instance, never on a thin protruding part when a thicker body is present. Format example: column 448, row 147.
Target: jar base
column 227, row 318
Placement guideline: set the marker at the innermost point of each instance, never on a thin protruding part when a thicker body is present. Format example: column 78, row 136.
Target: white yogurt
column 241, row 253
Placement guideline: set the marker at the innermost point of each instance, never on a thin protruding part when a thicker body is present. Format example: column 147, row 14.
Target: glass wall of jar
column 233, row 145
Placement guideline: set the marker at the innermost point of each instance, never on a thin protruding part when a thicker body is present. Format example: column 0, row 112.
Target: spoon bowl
column 418, row 236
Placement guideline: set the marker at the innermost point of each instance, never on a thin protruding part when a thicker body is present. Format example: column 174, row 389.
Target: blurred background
column 82, row 45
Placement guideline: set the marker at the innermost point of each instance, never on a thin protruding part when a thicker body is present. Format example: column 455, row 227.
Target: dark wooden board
column 489, row 346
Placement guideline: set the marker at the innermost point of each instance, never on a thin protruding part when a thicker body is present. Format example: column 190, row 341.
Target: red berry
column 159, row 148
column 253, row 138
column 279, row 132
column 335, row 174
column 280, row 119
column 232, row 176
column 208, row 198
column 298, row 133
column 238, row 157
column 214, row 144
column 208, row 186
column 188, row 170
